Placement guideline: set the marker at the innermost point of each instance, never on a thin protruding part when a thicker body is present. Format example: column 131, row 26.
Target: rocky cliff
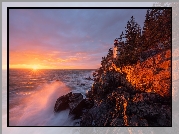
column 136, row 95
column 151, row 75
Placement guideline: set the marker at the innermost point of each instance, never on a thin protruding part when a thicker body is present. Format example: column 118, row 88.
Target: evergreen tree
column 120, row 51
column 109, row 59
column 110, row 53
column 103, row 62
column 157, row 28
column 131, row 46
column 166, row 27
column 121, row 44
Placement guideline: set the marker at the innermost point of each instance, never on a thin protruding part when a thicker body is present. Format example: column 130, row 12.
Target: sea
column 31, row 104
column 33, row 93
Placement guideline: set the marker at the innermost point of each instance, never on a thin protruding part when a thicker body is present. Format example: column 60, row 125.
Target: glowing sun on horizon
column 35, row 67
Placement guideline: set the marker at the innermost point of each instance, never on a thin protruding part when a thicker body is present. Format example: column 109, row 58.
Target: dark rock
column 62, row 102
column 86, row 120
column 75, row 97
column 76, row 104
column 89, row 94
column 143, row 122
column 89, row 78
column 118, row 103
column 117, row 122
column 89, row 103
column 101, row 114
column 82, row 84
column 164, row 119
column 113, row 102
column 134, row 121
column 71, row 100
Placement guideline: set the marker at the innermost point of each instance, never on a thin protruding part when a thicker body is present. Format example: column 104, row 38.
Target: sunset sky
column 65, row 38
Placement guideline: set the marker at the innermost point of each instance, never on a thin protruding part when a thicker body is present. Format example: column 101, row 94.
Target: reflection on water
column 32, row 95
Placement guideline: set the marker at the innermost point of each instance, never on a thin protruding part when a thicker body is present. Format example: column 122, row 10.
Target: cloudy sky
column 65, row 38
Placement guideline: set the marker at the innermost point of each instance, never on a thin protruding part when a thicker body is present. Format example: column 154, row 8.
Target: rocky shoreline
column 75, row 102
column 111, row 103
column 132, row 87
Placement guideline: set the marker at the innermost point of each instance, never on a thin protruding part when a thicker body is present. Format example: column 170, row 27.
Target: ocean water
column 33, row 93
column 51, row 119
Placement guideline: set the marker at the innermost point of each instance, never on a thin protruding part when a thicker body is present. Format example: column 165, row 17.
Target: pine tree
column 103, row 62
column 157, row 28
column 109, row 59
column 121, row 50
column 166, row 27
column 131, row 46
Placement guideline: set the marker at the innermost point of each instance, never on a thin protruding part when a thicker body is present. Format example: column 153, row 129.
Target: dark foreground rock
column 74, row 102
column 120, row 107
column 62, row 102
column 113, row 102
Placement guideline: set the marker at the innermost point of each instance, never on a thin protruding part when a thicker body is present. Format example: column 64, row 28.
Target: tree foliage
column 156, row 31
column 134, row 42
column 129, row 43
column 157, row 28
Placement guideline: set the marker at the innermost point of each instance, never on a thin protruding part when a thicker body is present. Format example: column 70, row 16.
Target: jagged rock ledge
column 74, row 102
column 120, row 107
column 115, row 101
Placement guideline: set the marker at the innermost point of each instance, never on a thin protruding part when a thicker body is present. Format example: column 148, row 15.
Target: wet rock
column 82, row 84
column 89, row 78
column 62, row 102
column 70, row 100
column 76, row 104
column 75, row 97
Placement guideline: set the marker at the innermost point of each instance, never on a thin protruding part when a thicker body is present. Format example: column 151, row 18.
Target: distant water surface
column 33, row 93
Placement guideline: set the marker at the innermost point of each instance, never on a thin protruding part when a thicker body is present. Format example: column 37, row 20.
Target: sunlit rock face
column 136, row 95
column 151, row 75
column 127, row 107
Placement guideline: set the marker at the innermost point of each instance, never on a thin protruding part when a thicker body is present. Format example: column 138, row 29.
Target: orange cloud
column 44, row 60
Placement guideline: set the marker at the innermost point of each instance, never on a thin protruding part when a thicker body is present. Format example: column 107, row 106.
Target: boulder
column 76, row 104
column 62, row 102
column 75, row 97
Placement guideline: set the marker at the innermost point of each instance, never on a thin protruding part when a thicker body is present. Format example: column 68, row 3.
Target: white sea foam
column 37, row 108
column 32, row 103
